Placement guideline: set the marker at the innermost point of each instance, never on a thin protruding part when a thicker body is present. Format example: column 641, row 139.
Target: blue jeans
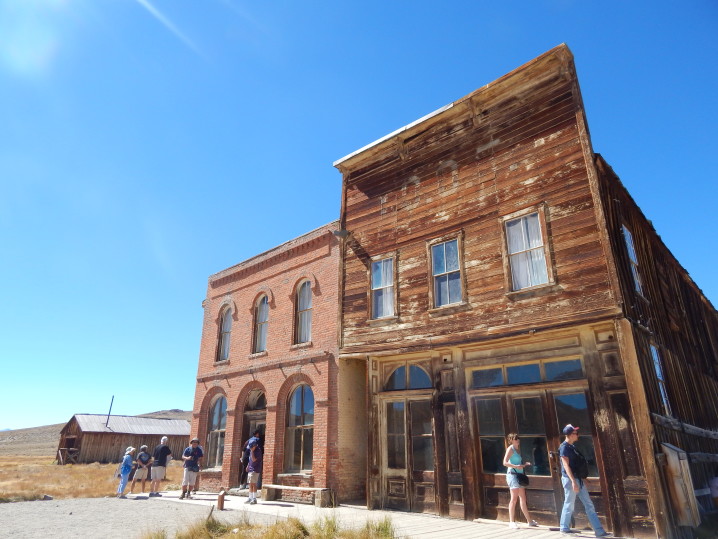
column 570, row 502
column 123, row 482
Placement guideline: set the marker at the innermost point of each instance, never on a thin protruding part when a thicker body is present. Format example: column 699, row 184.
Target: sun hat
column 130, row 449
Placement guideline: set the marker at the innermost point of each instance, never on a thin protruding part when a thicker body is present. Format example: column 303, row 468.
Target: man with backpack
column 574, row 471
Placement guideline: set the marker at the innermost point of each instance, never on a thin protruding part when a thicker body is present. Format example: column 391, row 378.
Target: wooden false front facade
column 469, row 334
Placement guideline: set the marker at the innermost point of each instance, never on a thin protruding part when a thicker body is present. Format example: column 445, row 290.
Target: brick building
column 268, row 361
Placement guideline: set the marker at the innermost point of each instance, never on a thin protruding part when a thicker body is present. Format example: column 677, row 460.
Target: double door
column 538, row 418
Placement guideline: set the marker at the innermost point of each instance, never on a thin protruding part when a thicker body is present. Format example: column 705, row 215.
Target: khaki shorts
column 158, row 473
column 141, row 473
column 189, row 478
column 253, row 478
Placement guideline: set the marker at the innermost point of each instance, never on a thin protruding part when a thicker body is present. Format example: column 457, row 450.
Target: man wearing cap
column 191, row 457
column 143, row 466
column 254, row 467
column 574, row 471
column 160, row 456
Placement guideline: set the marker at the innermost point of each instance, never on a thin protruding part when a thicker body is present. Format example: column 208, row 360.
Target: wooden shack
column 497, row 278
column 101, row 438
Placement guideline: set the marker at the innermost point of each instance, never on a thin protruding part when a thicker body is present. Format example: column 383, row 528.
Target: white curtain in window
column 260, row 341
column 527, row 257
column 383, row 288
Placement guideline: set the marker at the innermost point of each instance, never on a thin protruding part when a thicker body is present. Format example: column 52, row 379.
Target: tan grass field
column 31, row 478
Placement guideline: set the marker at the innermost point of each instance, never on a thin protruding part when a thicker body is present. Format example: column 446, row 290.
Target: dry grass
column 293, row 528
column 30, row 478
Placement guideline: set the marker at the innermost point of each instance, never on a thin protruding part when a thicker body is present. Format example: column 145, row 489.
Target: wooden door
column 408, row 455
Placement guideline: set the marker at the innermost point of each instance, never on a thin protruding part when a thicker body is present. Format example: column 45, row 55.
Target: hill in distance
column 43, row 441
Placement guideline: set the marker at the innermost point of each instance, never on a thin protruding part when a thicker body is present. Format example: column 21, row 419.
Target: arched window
column 225, row 330
column 261, row 317
column 300, row 430
column 215, row 434
column 303, row 328
column 413, row 378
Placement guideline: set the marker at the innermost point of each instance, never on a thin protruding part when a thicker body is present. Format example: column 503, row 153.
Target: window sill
column 534, row 292
column 258, row 354
column 301, row 345
column 449, row 309
column 220, row 363
column 386, row 321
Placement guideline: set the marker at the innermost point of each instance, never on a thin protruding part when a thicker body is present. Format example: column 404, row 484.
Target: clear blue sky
column 146, row 144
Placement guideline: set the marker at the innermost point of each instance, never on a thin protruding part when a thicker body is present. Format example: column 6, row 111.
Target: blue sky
column 146, row 144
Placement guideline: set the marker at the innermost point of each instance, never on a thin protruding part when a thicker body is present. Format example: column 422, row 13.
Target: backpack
column 581, row 471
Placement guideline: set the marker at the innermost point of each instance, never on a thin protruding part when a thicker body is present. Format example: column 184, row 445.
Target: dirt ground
column 109, row 518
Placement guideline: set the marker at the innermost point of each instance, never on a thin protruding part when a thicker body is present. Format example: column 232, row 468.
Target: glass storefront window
column 487, row 378
column 563, row 370
column 523, row 374
column 573, row 408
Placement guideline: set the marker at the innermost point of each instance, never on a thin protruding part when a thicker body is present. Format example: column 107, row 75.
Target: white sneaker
column 513, row 525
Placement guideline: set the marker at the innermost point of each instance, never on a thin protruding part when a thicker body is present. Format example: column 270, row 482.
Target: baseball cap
column 570, row 429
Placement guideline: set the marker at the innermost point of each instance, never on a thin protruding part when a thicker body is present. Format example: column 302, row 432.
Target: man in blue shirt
column 191, row 457
column 574, row 471
column 254, row 467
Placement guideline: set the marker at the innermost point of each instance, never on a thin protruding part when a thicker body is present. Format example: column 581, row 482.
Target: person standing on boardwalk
column 515, row 464
column 159, row 465
column 254, row 468
column 574, row 471
column 125, row 469
column 191, row 456
column 143, row 466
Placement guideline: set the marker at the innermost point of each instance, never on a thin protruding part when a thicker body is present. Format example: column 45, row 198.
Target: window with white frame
column 633, row 259
column 299, row 443
column 658, row 368
column 225, row 330
column 215, row 433
column 382, row 288
column 303, row 329
column 446, row 272
column 527, row 256
column 261, row 318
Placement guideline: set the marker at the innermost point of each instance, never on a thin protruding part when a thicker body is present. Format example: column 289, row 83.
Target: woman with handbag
column 514, row 477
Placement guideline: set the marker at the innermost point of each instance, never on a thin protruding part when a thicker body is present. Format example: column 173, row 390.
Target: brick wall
column 282, row 367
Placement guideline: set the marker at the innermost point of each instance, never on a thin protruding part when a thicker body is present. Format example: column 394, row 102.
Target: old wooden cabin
column 101, row 438
column 497, row 277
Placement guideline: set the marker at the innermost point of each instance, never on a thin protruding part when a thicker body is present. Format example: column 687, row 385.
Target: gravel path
column 109, row 518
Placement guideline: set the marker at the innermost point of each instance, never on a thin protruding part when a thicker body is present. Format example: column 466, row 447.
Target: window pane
column 535, row 450
column 573, row 409
column 263, row 310
column 396, row 452
column 523, row 374
column 422, row 452
column 437, row 258
column 441, row 290
column 537, row 267
column 397, row 380
column 533, row 230
column 492, row 454
column 454, row 286
column 395, row 417
column 261, row 341
column 519, row 271
column 490, row 418
column 515, row 236
column 383, row 302
column 452, row 255
column 487, row 378
column 304, row 331
column 308, row 445
column 376, row 274
column 420, row 417
column 305, row 296
column 563, row 370
column 308, row 408
column 220, row 449
column 293, row 450
column 294, row 413
column 529, row 416
column 418, row 379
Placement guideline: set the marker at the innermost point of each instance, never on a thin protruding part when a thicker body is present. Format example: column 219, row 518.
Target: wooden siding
column 457, row 177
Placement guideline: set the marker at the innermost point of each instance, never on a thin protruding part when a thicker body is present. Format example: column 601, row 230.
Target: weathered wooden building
column 98, row 438
column 497, row 277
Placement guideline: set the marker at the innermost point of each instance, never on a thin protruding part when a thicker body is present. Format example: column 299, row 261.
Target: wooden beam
column 675, row 424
